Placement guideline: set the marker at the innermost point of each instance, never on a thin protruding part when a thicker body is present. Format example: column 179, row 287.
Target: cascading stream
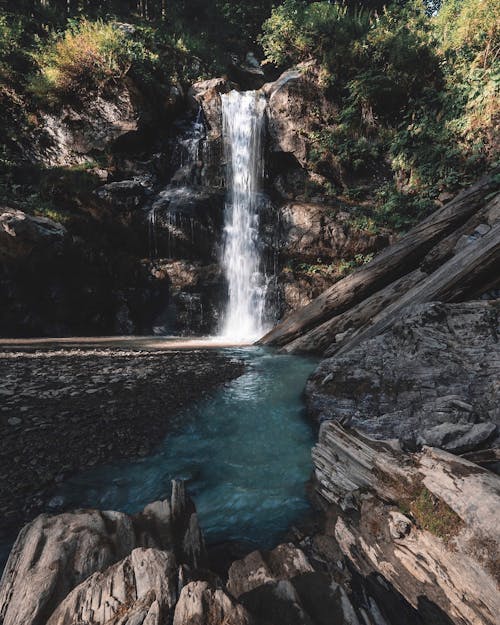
column 243, row 123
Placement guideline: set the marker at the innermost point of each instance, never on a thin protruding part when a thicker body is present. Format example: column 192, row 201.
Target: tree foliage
column 416, row 84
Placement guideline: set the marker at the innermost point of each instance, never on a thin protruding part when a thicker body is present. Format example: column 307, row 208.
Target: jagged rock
column 21, row 234
column 438, row 364
column 247, row 73
column 445, row 550
column 207, row 94
column 53, row 555
column 201, row 604
column 139, row 590
column 118, row 120
column 187, row 223
column 194, row 295
column 281, row 586
column 283, row 563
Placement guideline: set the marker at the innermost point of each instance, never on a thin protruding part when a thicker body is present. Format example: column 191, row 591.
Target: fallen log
column 447, row 247
column 395, row 262
column 321, row 337
column 476, row 264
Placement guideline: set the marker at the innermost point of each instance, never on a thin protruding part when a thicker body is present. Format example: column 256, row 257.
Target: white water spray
column 243, row 121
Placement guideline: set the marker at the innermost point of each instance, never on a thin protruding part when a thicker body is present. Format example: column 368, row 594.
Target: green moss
column 430, row 512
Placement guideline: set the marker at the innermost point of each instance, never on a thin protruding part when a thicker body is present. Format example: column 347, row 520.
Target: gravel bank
column 63, row 410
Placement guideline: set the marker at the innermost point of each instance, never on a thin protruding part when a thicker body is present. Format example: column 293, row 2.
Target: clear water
column 245, row 451
column 243, row 124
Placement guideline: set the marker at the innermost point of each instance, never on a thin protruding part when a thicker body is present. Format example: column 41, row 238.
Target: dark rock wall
column 154, row 202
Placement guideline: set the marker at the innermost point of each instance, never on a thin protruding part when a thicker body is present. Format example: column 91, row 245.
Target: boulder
column 139, row 590
column 246, row 72
column 283, row 563
column 295, row 103
column 54, row 554
column 22, row 234
column 124, row 195
column 431, row 374
column 425, row 522
column 121, row 119
column 207, row 94
column 458, row 437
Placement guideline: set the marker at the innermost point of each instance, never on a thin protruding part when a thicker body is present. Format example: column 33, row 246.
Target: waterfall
column 243, row 123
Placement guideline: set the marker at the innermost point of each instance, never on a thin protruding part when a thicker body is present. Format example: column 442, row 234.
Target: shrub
column 86, row 56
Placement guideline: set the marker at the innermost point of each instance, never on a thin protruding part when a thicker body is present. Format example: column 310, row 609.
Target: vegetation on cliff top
column 417, row 90
column 416, row 84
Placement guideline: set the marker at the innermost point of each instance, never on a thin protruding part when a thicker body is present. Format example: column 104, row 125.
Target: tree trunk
column 478, row 263
column 396, row 261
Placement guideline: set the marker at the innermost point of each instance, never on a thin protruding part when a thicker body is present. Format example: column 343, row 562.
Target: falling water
column 243, row 117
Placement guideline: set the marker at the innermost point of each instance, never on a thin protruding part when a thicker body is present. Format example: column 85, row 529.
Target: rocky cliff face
column 137, row 183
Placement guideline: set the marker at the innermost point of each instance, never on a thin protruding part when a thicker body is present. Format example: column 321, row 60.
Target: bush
column 469, row 42
column 83, row 58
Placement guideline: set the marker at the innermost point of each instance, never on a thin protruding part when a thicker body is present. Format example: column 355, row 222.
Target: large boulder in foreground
column 55, row 554
column 431, row 378
column 201, row 604
column 141, row 589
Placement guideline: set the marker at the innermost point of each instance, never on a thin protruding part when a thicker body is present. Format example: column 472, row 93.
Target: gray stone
column 125, row 195
column 139, row 590
column 21, row 233
column 457, row 437
column 435, row 371
column 201, row 604
column 54, row 554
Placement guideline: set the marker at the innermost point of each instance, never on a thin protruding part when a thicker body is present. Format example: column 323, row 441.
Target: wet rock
column 124, row 195
column 193, row 298
column 187, row 223
column 247, row 73
column 207, row 94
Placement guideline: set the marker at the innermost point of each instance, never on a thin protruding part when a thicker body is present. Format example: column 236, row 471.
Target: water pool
column 244, row 451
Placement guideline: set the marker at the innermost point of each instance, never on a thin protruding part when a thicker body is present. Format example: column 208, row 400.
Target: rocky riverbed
column 63, row 410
